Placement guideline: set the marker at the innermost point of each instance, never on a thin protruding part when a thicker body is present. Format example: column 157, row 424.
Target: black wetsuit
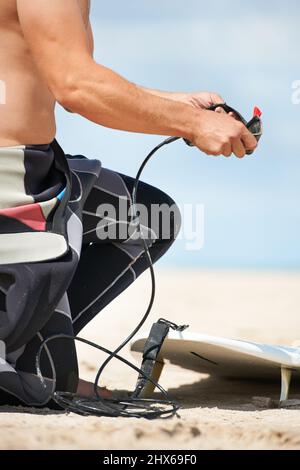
column 57, row 269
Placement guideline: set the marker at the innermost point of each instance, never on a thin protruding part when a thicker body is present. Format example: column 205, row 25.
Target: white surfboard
column 226, row 357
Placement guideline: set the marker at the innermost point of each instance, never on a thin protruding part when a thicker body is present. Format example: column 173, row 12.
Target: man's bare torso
column 26, row 105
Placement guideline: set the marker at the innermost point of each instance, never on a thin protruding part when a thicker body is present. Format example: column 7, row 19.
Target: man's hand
column 216, row 136
column 217, row 133
column 201, row 100
column 220, row 134
column 233, row 138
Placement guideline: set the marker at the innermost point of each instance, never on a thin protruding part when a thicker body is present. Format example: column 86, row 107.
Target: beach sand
column 215, row 414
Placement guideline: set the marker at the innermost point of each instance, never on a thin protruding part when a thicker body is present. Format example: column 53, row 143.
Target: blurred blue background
column 246, row 51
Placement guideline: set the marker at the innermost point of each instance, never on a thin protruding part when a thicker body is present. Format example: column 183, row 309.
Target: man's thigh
column 107, row 213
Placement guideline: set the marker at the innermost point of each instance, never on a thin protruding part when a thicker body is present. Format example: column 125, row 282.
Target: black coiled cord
column 117, row 407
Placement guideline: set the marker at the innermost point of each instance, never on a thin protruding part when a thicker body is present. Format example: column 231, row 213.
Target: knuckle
column 236, row 132
column 240, row 127
column 235, row 136
column 253, row 144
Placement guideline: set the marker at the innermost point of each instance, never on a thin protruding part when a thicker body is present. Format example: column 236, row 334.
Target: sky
column 249, row 53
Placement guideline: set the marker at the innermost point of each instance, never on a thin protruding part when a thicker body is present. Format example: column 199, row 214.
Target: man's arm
column 90, row 38
column 202, row 100
column 56, row 35
column 176, row 96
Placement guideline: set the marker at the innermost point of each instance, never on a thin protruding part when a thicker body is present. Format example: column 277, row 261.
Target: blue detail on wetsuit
column 61, row 195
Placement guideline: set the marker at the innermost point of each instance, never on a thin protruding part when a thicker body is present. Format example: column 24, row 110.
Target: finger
column 213, row 152
column 227, row 150
column 220, row 110
column 248, row 139
column 216, row 98
column 238, row 148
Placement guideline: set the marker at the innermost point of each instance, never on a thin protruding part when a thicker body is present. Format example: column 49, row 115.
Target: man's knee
column 165, row 219
column 175, row 220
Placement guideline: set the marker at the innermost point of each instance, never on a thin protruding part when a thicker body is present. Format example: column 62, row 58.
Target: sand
column 216, row 414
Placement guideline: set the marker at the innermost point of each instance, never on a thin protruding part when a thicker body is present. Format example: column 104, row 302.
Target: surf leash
column 137, row 405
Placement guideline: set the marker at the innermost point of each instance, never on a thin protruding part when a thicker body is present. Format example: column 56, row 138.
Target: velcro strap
column 152, row 348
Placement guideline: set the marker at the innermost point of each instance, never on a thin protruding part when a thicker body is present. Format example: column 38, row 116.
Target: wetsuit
column 57, row 268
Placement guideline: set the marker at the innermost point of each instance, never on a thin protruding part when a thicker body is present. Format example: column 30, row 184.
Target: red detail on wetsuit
column 30, row 215
column 257, row 112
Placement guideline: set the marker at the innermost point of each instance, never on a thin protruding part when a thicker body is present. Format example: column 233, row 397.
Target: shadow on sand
column 230, row 394
column 210, row 392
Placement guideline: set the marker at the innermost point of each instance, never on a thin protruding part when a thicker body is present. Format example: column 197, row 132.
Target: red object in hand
column 257, row 112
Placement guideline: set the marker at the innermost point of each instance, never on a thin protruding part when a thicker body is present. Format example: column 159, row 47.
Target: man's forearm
column 104, row 97
column 175, row 96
